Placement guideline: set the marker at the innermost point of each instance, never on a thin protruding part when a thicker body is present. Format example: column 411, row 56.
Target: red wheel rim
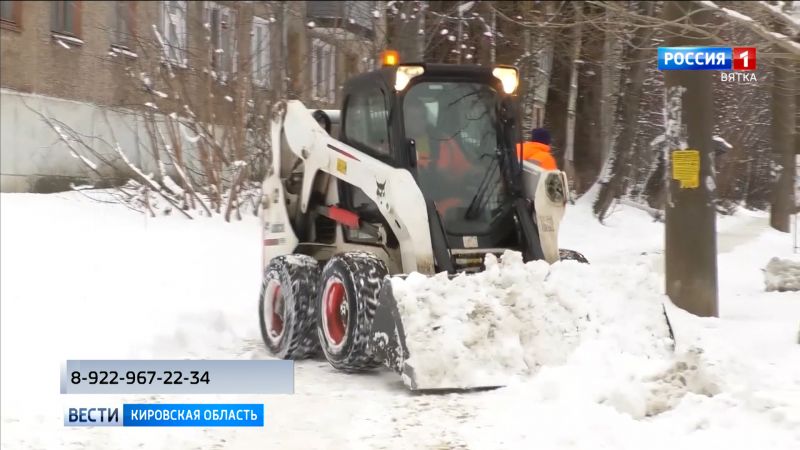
column 335, row 312
column 276, row 321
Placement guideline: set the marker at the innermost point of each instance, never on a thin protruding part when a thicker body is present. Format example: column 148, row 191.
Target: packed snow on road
column 583, row 352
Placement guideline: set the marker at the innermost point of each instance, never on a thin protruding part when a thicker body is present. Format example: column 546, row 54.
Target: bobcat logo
column 381, row 189
column 381, row 193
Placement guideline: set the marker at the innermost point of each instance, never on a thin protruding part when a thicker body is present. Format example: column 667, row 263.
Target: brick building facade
column 75, row 58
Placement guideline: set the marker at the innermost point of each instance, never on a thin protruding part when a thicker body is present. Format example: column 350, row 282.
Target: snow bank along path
column 493, row 327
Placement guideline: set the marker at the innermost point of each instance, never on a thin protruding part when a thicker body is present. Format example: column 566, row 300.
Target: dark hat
column 540, row 135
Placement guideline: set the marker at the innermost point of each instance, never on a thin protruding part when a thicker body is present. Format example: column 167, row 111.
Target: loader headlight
column 554, row 188
column 405, row 74
column 508, row 76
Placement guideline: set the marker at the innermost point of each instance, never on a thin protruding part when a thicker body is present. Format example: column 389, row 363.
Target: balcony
column 353, row 16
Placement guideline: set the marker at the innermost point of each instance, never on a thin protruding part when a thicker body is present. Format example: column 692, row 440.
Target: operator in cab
column 441, row 161
column 433, row 152
column 455, row 132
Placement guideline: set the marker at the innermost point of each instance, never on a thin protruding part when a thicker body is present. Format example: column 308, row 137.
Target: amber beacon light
column 390, row 58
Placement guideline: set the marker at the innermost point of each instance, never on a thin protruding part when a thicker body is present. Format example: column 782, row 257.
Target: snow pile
column 782, row 275
column 498, row 326
column 171, row 288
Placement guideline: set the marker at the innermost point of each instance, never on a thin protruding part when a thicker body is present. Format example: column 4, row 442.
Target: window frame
column 182, row 33
column 76, row 19
column 386, row 156
column 328, row 52
column 15, row 22
column 356, row 11
column 353, row 16
column 131, row 34
column 261, row 74
column 230, row 65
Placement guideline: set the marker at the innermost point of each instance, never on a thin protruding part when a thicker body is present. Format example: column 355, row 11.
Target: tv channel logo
column 92, row 417
column 167, row 415
column 707, row 58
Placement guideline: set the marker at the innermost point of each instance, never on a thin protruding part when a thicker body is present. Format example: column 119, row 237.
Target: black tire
column 564, row 253
column 291, row 333
column 360, row 276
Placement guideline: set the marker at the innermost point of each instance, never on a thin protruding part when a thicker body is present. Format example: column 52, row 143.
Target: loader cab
column 449, row 125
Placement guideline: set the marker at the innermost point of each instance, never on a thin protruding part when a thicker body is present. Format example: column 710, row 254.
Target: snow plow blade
column 387, row 337
column 388, row 342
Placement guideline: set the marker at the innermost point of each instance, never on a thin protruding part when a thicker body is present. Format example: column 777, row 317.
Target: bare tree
column 205, row 124
column 609, row 79
column 569, row 147
column 628, row 108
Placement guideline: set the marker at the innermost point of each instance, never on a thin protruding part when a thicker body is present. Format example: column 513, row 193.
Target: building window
column 10, row 14
column 173, row 29
column 221, row 23
column 366, row 123
column 323, row 71
column 261, row 52
column 124, row 29
column 66, row 17
column 357, row 17
column 360, row 13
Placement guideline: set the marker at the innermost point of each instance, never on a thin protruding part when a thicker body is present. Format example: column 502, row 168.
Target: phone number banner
column 177, row 377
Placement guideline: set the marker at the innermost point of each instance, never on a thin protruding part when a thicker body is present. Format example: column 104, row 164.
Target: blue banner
column 192, row 415
column 695, row 58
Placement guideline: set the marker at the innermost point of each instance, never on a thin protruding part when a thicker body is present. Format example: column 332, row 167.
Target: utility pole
column 784, row 141
column 691, row 238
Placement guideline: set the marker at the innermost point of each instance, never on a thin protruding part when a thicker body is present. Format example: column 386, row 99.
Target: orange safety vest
column 451, row 159
column 537, row 153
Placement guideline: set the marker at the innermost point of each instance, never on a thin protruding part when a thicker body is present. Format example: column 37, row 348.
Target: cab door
column 365, row 126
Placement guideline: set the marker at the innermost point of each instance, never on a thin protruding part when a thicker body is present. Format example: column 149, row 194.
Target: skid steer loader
column 424, row 177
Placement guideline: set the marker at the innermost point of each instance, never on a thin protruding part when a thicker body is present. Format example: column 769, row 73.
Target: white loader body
column 298, row 141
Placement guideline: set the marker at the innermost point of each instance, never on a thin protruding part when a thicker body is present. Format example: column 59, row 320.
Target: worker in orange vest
column 537, row 150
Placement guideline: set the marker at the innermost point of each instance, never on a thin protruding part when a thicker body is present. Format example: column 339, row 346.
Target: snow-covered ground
column 89, row 280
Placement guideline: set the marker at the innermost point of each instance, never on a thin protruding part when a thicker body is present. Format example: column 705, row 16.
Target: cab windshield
column 455, row 131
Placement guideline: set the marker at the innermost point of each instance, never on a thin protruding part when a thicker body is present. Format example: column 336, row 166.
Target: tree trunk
column 485, row 43
column 609, row 79
column 459, row 33
column 527, row 71
column 544, row 68
column 589, row 109
column 493, row 54
column 784, row 146
column 569, row 147
column 405, row 37
column 690, row 231
column 654, row 190
column 557, row 96
column 628, row 107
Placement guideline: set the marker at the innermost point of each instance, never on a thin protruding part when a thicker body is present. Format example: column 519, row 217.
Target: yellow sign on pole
column 686, row 168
